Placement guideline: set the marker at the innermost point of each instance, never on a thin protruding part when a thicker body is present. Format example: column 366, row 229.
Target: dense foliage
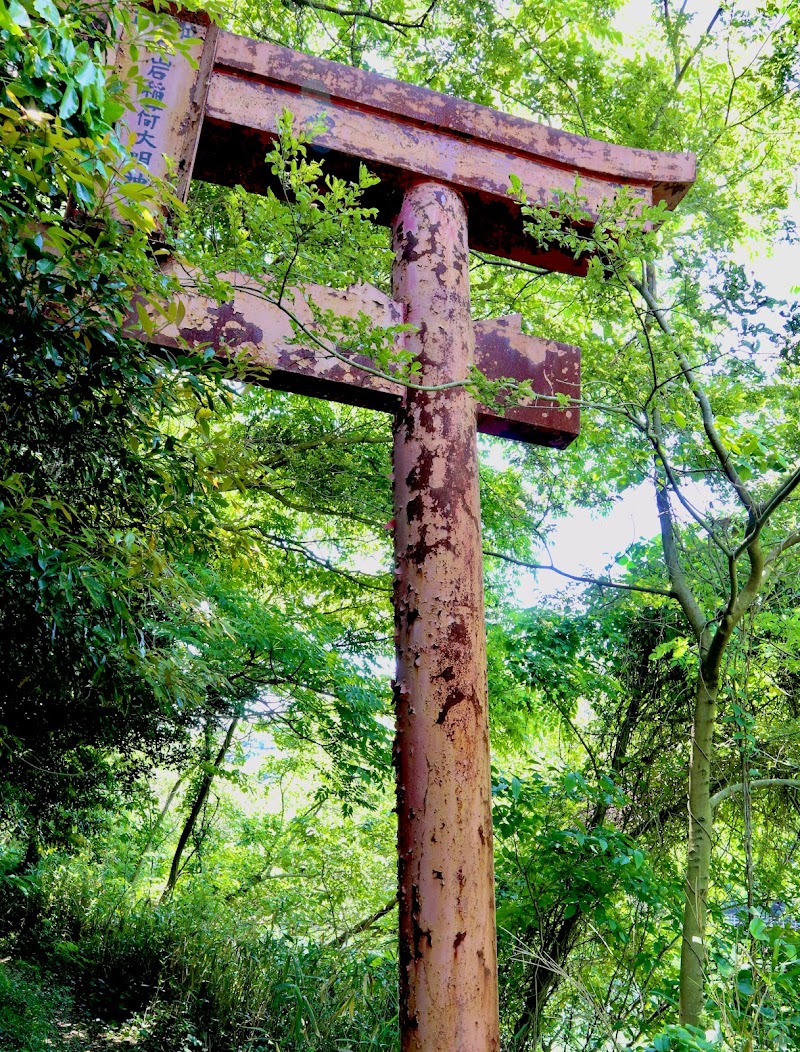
column 196, row 826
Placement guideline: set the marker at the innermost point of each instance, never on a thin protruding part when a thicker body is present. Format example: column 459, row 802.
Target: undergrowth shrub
column 195, row 973
column 27, row 1011
column 20, row 890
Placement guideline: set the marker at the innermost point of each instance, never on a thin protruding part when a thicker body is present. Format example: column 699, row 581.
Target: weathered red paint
column 448, row 960
column 502, row 349
column 262, row 333
column 254, row 61
column 405, row 133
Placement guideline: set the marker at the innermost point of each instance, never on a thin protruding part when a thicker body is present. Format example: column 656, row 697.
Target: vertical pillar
column 448, row 957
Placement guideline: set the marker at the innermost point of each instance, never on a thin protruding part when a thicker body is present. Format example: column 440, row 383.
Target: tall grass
column 198, row 974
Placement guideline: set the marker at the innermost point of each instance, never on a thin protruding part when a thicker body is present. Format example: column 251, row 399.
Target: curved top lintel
column 669, row 175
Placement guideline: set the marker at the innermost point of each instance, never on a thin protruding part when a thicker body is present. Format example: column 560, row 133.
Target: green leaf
column 87, row 74
column 69, row 102
column 48, row 10
column 758, row 929
column 19, row 16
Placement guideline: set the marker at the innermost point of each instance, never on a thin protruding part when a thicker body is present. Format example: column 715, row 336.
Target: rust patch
column 228, row 328
column 460, row 936
column 420, row 935
column 415, row 509
column 420, row 473
column 455, row 697
column 418, row 553
column 457, row 633
column 409, row 241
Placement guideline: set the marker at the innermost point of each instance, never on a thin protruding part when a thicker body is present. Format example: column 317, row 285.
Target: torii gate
column 444, row 166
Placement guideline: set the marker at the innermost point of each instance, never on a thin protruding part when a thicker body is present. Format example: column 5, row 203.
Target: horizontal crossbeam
column 277, row 354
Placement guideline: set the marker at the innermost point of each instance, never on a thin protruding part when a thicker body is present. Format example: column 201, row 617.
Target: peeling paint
column 447, row 930
column 261, row 334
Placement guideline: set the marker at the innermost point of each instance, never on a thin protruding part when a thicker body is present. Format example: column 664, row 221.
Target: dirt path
column 40, row 1014
column 92, row 1035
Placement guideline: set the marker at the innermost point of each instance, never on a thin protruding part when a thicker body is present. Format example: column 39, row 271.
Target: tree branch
column 681, row 73
column 331, row 349
column 757, row 783
column 333, row 439
column 680, row 586
column 681, row 70
column 601, row 582
column 656, row 440
column 739, row 602
column 526, row 268
column 310, row 509
column 782, row 493
column 365, row 924
column 780, row 549
column 360, row 12
column 287, row 545
column 553, row 73
column 706, row 412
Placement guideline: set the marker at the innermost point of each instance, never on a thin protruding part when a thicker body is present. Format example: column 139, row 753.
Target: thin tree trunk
column 747, row 812
column 196, row 809
column 547, row 968
column 701, row 808
column 154, row 830
column 698, row 867
column 545, row 979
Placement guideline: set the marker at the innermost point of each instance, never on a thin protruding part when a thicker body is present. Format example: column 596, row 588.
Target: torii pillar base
column 448, row 955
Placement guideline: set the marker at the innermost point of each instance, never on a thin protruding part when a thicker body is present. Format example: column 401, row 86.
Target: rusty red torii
column 444, row 165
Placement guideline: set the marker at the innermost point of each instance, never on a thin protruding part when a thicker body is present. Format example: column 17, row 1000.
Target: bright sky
column 587, row 543
column 637, row 15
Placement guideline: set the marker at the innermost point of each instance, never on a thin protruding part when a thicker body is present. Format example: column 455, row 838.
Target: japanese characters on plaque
column 154, row 127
